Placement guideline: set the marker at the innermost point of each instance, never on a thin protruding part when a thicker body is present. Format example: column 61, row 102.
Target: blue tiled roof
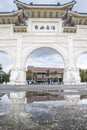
column 80, row 13
column 7, row 12
column 58, row 4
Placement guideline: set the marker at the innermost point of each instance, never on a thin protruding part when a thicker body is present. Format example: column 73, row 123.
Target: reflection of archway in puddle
column 5, row 61
column 45, row 57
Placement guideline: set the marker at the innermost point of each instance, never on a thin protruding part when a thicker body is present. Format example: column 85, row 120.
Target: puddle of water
column 83, row 101
column 43, row 105
column 4, row 105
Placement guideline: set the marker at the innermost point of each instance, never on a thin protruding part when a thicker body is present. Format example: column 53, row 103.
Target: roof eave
column 16, row 13
column 77, row 14
column 23, row 5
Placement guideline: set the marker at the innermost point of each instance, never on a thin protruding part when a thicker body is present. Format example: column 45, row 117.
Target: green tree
column 55, row 79
column 83, row 75
column 54, row 76
column 55, row 72
column 1, row 73
column 34, row 76
column 28, row 75
column 52, row 73
column 6, row 77
column 1, row 68
column 48, row 73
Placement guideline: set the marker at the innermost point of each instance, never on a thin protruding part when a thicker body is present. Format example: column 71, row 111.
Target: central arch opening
column 45, row 65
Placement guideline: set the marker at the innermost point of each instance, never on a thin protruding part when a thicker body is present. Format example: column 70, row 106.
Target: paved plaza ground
column 45, row 116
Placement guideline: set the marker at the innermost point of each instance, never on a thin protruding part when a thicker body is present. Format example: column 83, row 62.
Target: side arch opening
column 6, row 65
column 82, row 65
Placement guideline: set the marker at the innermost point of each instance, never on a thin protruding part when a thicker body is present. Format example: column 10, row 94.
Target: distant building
column 43, row 74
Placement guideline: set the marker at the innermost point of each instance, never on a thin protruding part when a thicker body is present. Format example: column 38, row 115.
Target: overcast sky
column 42, row 57
column 9, row 5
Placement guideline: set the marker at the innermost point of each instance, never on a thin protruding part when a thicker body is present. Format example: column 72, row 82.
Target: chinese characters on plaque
column 44, row 27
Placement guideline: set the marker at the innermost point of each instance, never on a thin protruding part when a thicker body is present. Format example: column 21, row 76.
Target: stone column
column 17, row 103
column 71, row 74
column 71, row 78
column 18, row 76
column 18, row 73
column 71, row 99
column 17, row 113
column 19, row 53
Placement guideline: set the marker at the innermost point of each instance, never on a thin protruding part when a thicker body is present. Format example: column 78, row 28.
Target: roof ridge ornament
column 67, row 20
column 31, row 3
column 58, row 3
column 74, row 1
